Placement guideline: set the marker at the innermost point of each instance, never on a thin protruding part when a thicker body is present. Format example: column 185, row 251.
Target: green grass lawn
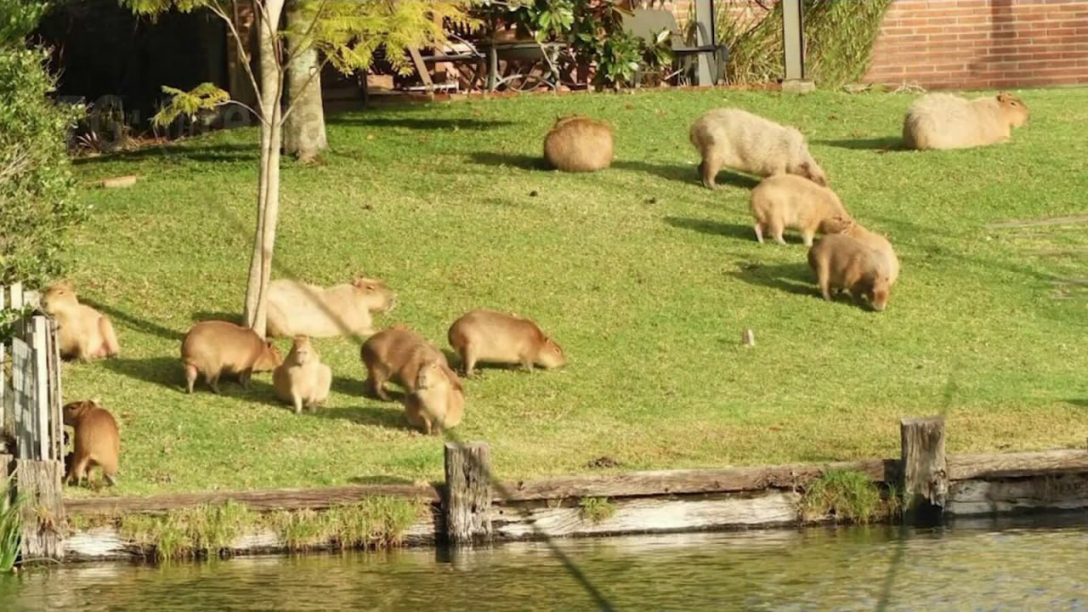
column 646, row 279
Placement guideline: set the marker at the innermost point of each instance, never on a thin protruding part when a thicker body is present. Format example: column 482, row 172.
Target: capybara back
column 579, row 144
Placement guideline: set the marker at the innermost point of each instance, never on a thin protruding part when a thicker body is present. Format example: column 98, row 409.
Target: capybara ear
column 1003, row 96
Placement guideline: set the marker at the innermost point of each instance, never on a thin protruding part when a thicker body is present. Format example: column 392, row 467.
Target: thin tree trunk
column 304, row 131
column 260, row 267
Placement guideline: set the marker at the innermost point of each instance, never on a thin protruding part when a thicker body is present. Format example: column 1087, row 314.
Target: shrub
column 37, row 198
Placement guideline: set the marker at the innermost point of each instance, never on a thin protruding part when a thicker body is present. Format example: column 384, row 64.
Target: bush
column 37, row 192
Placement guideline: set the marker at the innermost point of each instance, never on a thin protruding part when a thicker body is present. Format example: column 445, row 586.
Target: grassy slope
column 645, row 278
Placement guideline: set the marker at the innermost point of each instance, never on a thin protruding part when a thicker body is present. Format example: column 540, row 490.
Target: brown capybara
column 732, row 138
column 396, row 354
column 300, row 309
column 302, row 380
column 214, row 348
column 875, row 241
column 496, row 337
column 844, row 263
column 82, row 332
column 945, row 121
column 579, row 144
column 97, row 441
column 438, row 401
column 786, row 200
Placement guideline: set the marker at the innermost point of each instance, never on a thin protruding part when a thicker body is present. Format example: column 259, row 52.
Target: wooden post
column 468, row 493
column 22, row 385
column 39, row 482
column 41, row 387
column 924, row 470
column 708, row 69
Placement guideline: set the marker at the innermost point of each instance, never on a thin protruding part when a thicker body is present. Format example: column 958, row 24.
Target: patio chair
column 648, row 23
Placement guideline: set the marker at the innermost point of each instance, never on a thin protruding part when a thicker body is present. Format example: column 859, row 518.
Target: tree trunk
column 268, row 189
column 304, row 131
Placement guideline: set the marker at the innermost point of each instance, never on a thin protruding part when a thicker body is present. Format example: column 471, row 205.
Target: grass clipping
column 847, row 496
column 207, row 531
column 838, row 36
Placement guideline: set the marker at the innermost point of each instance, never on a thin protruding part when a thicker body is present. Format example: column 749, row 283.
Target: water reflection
column 965, row 566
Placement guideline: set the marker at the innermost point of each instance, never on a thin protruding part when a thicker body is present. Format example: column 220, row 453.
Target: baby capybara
column 396, row 354
column 875, row 241
column 785, row 200
column 302, row 380
column 97, row 441
column 732, row 138
column 438, row 401
column 844, row 263
column 300, row 309
column 945, row 121
column 83, row 333
column 579, row 144
column 214, row 348
column 496, row 337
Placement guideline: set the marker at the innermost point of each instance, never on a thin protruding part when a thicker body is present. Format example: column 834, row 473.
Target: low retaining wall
column 470, row 508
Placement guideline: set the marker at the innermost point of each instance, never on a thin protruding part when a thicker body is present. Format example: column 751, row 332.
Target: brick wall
column 982, row 43
column 969, row 43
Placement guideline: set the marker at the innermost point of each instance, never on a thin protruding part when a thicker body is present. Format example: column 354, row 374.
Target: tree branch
column 246, row 59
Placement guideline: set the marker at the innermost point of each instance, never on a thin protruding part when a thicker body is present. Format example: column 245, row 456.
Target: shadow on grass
column 525, row 162
column 389, row 415
column 134, row 322
column 417, row 123
column 793, row 278
column 215, row 153
column 211, row 315
column 672, row 172
column 881, row 145
column 1083, row 403
column 713, row 228
column 168, row 372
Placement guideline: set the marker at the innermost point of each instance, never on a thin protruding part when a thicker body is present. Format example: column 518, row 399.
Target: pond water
column 966, row 566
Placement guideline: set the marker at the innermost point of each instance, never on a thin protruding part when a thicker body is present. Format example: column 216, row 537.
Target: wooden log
column 468, row 493
column 271, row 499
column 685, row 482
column 1020, row 496
column 925, row 471
column 39, row 483
column 652, row 515
column 1016, row 465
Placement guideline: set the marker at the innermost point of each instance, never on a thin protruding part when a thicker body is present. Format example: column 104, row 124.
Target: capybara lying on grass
column 214, row 348
column 302, row 380
column 945, row 121
column 732, row 138
column 396, row 354
column 438, row 401
column 785, row 200
column 845, row 263
column 579, row 144
column 498, row 337
column 97, row 441
column 82, row 332
column 300, row 309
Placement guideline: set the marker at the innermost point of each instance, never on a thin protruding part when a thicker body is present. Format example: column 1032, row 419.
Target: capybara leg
column 297, row 400
column 109, row 337
column 806, row 236
column 759, row 232
column 777, row 229
column 190, row 376
column 824, row 278
column 709, row 169
column 468, row 360
column 527, row 364
column 213, row 382
column 377, row 385
column 81, row 469
column 244, row 378
column 111, row 479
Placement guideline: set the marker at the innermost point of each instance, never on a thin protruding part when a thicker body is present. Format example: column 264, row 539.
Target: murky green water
column 968, row 566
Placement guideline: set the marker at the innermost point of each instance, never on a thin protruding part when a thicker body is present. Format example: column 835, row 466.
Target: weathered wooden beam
column 925, row 471
column 468, row 493
column 685, row 482
column 39, row 482
column 272, row 499
column 1016, row 465
column 794, row 40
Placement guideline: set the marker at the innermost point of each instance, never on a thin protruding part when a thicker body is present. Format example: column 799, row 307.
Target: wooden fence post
column 39, row 482
column 924, row 470
column 468, row 493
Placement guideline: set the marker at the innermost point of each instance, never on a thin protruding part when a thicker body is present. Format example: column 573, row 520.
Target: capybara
column 82, row 332
column 302, row 380
column 875, row 241
column 579, row 144
column 438, row 401
column 214, row 348
column 97, row 441
column 945, row 121
column 732, row 138
column 300, row 309
column 396, row 354
column 497, row 337
column 842, row 262
column 785, row 200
